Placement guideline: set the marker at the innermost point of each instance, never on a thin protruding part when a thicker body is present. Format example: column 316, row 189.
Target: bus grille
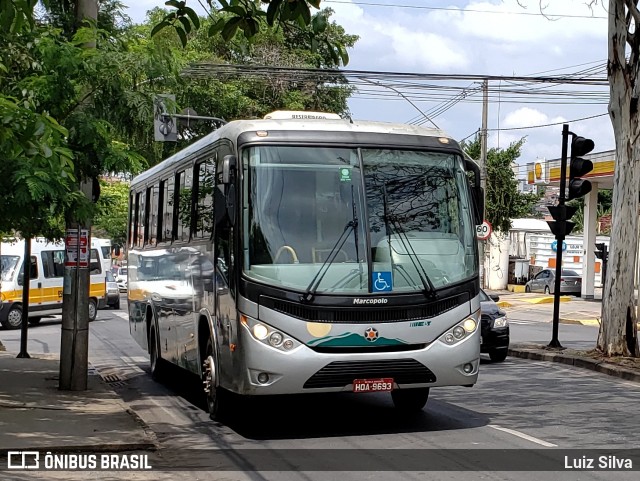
column 342, row 373
column 369, row 315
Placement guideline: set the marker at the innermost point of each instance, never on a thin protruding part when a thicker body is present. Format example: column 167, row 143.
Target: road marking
column 121, row 315
column 524, row 436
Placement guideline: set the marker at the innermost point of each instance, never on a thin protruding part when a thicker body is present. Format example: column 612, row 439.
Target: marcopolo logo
column 370, row 300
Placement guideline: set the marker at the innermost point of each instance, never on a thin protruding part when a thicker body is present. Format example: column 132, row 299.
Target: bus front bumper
column 266, row 370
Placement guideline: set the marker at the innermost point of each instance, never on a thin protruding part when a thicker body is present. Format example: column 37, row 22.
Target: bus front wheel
column 214, row 394
column 156, row 362
column 410, row 399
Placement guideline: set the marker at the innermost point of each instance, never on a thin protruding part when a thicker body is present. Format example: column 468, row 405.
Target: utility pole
column 483, row 171
column 74, row 344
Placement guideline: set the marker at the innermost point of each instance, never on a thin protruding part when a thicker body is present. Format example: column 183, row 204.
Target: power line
column 551, row 125
column 466, row 10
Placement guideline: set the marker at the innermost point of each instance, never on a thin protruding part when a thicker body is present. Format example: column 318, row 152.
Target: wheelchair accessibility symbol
column 382, row 281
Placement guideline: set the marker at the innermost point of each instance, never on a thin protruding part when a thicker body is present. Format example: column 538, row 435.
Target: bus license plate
column 373, row 385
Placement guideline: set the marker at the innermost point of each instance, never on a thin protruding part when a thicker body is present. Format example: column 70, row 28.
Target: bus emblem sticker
column 382, row 281
column 371, row 334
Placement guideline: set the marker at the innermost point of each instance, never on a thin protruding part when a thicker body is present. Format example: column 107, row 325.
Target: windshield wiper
column 428, row 287
column 333, row 253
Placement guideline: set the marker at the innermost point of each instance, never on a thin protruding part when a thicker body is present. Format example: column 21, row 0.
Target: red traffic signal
column 579, row 167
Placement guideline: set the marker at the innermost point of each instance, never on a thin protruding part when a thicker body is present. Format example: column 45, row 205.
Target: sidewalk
column 36, row 415
column 574, row 310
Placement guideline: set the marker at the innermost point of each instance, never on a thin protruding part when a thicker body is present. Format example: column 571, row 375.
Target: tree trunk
column 618, row 331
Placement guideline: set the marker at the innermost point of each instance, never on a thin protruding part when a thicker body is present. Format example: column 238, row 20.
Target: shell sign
column 538, row 172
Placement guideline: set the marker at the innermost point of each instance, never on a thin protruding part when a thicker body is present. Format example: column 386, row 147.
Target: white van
column 105, row 247
column 47, row 274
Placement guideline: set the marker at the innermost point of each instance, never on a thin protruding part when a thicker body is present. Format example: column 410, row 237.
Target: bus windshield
column 406, row 214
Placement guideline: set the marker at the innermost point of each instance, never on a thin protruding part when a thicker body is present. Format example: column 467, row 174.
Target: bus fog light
column 469, row 325
column 260, row 331
column 458, row 332
column 288, row 344
column 449, row 339
column 468, row 368
column 263, row 378
column 275, row 339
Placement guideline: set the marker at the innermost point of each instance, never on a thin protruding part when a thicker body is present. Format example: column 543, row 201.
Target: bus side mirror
column 476, row 190
column 228, row 169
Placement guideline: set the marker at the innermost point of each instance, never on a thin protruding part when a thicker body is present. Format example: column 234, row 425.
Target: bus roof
column 235, row 128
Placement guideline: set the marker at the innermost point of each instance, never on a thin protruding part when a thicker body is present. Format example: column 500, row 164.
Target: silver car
column 545, row 281
column 113, row 292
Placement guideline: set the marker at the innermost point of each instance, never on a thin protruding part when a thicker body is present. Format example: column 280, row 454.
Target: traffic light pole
column 555, row 342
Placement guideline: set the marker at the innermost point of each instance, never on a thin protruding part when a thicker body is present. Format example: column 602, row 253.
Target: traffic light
column 601, row 251
column 579, row 167
column 561, row 224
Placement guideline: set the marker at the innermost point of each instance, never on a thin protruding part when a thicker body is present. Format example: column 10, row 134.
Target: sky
column 494, row 38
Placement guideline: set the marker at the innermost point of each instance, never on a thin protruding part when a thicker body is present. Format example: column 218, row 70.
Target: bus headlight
column 275, row 339
column 260, row 331
column 268, row 335
column 460, row 331
column 469, row 325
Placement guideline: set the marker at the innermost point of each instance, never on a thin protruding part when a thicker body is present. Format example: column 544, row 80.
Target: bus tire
column 215, row 396
column 156, row 363
column 410, row 400
column 93, row 309
column 14, row 318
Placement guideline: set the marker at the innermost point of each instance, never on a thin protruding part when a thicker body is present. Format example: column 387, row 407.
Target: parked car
column 545, row 281
column 494, row 328
column 121, row 279
column 113, row 291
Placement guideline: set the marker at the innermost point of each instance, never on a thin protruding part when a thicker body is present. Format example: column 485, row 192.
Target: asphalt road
column 534, row 408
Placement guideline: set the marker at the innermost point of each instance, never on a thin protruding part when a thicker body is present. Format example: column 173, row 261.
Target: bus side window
column 183, row 211
column 131, row 220
column 167, row 210
column 140, row 222
column 204, row 201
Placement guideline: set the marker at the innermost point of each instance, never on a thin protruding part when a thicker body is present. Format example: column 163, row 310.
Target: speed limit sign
column 483, row 231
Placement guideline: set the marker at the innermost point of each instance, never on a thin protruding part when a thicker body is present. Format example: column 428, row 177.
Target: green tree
column 249, row 17
column 37, row 172
column 112, row 211
column 503, row 200
column 603, row 208
column 157, row 65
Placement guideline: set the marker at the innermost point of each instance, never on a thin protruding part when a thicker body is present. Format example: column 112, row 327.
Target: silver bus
column 305, row 253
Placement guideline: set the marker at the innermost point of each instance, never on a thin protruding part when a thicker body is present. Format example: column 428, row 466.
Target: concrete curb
column 539, row 354
column 583, row 322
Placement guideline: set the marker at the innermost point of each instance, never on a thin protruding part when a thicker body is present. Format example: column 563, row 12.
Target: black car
column 494, row 328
